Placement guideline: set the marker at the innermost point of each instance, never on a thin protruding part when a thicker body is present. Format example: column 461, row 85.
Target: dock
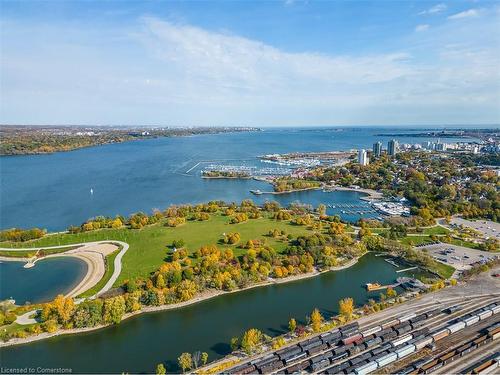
column 373, row 287
column 407, row 269
column 390, row 261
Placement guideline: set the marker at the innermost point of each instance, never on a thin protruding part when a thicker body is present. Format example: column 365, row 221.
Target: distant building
column 363, row 157
column 377, row 149
column 392, row 147
column 441, row 146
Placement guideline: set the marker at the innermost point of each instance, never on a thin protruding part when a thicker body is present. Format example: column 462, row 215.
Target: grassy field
column 463, row 243
column 150, row 246
column 110, row 268
column 416, row 240
column 444, row 270
column 435, row 230
column 31, row 253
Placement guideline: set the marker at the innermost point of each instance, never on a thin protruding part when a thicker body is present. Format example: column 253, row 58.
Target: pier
column 407, row 269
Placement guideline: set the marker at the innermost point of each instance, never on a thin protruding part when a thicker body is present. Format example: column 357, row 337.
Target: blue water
column 41, row 283
column 53, row 191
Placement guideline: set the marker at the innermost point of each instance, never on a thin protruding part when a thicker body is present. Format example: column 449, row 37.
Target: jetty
column 390, row 261
column 407, row 269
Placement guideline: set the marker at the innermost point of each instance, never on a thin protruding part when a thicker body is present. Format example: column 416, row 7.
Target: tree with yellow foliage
column 251, row 339
column 292, row 325
column 336, row 228
column 391, row 293
column 346, row 307
column 316, row 320
column 185, row 361
column 278, row 342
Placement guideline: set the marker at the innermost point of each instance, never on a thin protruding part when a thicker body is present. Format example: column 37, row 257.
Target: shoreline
column 287, row 191
column 371, row 194
column 227, row 178
column 204, row 296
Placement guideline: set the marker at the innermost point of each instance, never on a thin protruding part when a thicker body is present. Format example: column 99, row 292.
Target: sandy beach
column 372, row 194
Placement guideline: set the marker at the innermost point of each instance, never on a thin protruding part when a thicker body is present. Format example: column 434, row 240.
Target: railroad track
column 323, row 356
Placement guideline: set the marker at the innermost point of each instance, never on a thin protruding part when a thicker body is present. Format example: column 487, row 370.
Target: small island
column 225, row 174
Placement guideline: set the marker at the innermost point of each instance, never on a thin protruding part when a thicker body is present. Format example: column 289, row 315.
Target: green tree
column 235, row 343
column 185, row 361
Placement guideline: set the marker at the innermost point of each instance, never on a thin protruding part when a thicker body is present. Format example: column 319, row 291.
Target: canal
column 140, row 343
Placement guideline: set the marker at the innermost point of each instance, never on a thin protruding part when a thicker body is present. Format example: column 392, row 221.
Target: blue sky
column 266, row 63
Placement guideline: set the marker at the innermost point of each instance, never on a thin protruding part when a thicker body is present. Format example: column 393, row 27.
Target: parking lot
column 488, row 228
column 457, row 256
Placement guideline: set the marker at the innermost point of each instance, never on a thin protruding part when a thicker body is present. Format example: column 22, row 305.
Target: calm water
column 140, row 343
column 40, row 283
column 53, row 191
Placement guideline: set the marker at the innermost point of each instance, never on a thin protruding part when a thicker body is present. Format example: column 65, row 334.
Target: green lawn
column 416, row 240
column 435, row 230
column 444, row 270
column 110, row 268
column 463, row 243
column 149, row 246
column 30, row 253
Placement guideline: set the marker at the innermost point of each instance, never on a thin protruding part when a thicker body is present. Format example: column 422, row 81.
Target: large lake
column 53, row 191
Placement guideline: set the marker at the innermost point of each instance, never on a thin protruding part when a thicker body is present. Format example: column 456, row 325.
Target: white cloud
column 465, row 14
column 423, row 27
column 228, row 60
column 159, row 72
column 438, row 8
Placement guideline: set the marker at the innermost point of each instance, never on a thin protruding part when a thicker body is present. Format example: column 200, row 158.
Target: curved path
column 94, row 254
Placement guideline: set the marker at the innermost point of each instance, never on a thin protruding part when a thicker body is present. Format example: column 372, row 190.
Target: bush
column 21, row 235
column 239, row 218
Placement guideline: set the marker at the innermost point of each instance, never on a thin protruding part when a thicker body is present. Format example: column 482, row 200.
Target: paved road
column 118, row 268
column 25, row 318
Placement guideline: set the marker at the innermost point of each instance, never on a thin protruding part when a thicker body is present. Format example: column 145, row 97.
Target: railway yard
column 452, row 331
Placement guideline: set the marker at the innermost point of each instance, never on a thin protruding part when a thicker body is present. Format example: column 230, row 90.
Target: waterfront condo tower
column 377, row 149
column 363, row 157
column 392, row 147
